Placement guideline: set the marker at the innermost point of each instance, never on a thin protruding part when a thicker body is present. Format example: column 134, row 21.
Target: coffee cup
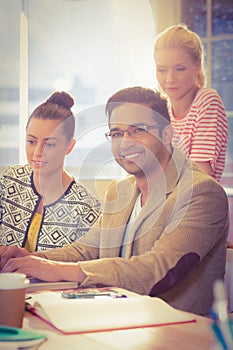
column 12, row 298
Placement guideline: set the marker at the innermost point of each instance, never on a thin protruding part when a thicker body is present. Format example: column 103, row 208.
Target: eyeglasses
column 135, row 131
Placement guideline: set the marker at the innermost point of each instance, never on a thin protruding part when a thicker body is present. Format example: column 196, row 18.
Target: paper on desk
column 92, row 315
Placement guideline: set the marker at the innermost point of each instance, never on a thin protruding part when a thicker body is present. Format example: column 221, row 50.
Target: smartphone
column 90, row 294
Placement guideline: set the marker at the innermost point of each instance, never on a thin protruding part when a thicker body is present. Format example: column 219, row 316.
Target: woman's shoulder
column 79, row 190
column 208, row 101
column 205, row 94
column 17, row 170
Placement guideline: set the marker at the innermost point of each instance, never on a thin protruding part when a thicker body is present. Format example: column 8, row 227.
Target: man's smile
column 131, row 155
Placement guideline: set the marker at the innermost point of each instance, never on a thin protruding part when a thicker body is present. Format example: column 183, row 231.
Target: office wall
column 165, row 13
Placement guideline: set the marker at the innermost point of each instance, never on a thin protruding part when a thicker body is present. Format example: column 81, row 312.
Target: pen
column 219, row 335
column 222, row 325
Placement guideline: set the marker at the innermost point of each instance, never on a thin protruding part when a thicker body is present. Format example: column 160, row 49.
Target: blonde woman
column 197, row 113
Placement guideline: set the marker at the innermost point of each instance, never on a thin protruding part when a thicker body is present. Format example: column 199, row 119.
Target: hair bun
column 62, row 99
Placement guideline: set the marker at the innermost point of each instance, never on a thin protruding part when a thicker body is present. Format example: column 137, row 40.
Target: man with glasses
column 164, row 226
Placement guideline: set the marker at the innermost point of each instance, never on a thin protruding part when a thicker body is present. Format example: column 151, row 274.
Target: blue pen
column 222, row 326
column 219, row 335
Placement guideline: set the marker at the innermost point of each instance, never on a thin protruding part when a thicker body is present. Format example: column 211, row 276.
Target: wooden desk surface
column 192, row 336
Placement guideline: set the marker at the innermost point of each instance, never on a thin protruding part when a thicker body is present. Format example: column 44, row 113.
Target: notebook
column 36, row 285
column 72, row 316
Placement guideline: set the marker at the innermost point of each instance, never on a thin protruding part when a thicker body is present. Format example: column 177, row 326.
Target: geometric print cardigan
column 63, row 221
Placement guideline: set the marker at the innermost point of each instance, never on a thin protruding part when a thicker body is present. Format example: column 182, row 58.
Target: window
column 88, row 48
column 9, row 81
column 213, row 21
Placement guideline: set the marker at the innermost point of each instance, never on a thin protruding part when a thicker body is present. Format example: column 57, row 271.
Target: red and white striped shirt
column 203, row 133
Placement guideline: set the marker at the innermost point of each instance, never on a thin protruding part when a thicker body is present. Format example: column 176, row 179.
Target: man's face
column 142, row 153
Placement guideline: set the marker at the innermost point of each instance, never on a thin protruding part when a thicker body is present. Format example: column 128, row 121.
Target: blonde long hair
column 179, row 36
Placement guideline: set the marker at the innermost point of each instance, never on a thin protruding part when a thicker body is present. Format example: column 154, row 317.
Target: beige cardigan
column 178, row 245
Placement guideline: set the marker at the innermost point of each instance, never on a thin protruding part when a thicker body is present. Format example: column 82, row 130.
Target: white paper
column 72, row 315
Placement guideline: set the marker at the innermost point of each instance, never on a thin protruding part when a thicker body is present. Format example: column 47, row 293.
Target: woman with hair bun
column 197, row 113
column 41, row 205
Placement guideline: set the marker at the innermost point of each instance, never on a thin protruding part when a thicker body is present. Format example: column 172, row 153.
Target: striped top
column 203, row 133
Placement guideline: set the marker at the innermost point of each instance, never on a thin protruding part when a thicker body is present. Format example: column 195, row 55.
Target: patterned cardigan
column 63, row 221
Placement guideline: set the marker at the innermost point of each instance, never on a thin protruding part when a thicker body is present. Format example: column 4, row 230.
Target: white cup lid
column 13, row 280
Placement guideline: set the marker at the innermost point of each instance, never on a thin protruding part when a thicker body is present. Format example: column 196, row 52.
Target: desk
column 193, row 336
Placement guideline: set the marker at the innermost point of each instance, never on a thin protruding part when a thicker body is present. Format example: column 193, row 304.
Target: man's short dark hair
column 141, row 96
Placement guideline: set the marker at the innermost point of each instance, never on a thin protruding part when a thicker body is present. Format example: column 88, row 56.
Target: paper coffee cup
column 12, row 298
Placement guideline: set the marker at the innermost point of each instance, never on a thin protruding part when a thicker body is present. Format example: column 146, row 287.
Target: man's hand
column 45, row 270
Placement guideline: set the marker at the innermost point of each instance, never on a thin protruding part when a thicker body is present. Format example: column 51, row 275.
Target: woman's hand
column 8, row 252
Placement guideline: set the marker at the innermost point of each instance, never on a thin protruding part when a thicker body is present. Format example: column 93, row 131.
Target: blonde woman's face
column 175, row 71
